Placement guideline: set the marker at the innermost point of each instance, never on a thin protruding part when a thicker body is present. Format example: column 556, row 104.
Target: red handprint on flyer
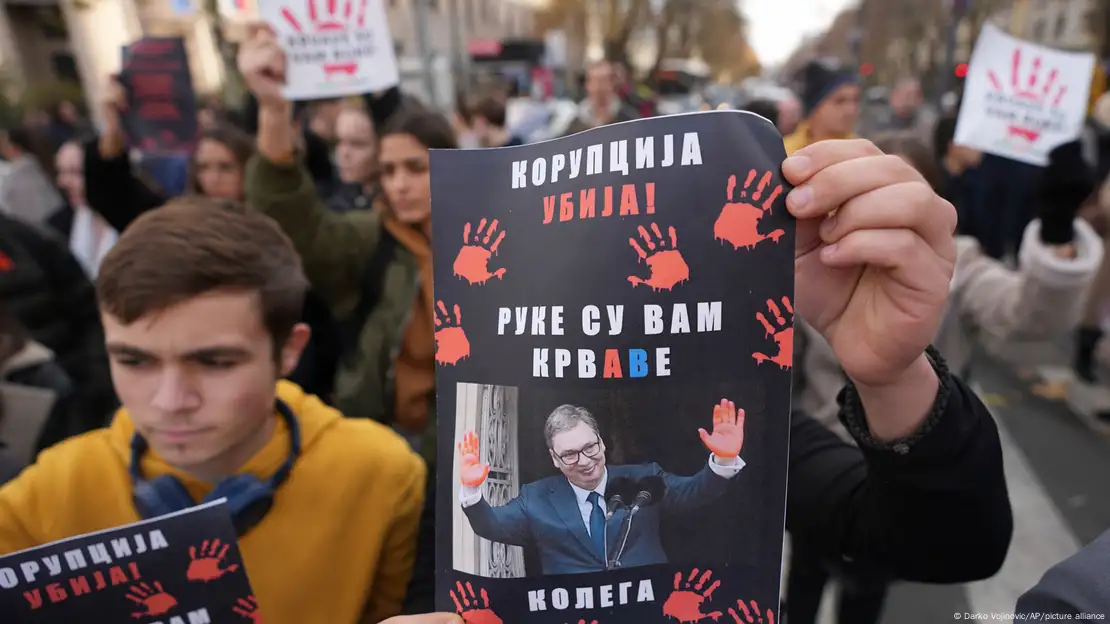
column 1032, row 86
column 333, row 47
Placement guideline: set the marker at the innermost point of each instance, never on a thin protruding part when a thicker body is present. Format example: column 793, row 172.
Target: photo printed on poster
column 614, row 340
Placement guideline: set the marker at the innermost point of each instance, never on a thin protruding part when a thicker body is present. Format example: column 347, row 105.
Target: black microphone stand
column 642, row 499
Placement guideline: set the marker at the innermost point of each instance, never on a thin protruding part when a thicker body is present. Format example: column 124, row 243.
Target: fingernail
column 827, row 226
column 798, row 165
column 799, row 198
column 829, row 252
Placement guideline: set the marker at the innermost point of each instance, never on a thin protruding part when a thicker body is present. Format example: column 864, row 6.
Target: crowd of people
column 264, row 307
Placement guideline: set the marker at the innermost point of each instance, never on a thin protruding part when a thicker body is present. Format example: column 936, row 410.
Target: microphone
column 650, row 491
column 621, row 491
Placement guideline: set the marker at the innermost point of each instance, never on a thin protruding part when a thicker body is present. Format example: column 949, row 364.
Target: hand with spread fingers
column 874, row 259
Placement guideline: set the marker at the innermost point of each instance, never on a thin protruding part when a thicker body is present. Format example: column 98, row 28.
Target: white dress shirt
column 585, row 507
column 469, row 495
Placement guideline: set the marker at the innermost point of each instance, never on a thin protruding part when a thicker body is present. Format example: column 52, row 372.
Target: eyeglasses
column 592, row 450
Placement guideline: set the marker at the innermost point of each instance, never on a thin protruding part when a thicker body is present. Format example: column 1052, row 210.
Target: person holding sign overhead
column 200, row 302
column 372, row 267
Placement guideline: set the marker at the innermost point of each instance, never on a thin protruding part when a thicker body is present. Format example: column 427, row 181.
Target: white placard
column 1021, row 99
column 333, row 48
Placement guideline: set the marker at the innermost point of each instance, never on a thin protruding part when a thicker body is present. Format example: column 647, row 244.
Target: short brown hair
column 491, row 109
column 913, row 149
column 185, row 249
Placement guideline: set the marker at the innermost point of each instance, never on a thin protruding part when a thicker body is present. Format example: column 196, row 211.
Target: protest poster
column 161, row 115
column 614, row 343
column 184, row 568
column 1022, row 99
column 333, row 48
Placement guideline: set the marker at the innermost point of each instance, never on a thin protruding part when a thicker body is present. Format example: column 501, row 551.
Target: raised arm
column 335, row 248
column 111, row 187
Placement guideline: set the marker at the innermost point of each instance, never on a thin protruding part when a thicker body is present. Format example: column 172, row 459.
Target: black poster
column 183, row 568
column 614, row 342
column 161, row 115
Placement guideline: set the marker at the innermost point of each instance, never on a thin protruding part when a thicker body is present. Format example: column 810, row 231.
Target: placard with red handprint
column 1022, row 99
column 184, row 567
column 612, row 384
column 333, row 48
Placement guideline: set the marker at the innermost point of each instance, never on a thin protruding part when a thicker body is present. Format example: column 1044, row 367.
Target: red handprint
column 685, row 603
column 205, row 564
column 584, row 622
column 1030, row 90
column 472, row 472
column 337, row 15
column 727, row 439
column 248, row 608
column 451, row 342
column 473, row 610
column 739, row 221
column 472, row 263
column 784, row 335
column 749, row 618
column 668, row 267
column 154, row 600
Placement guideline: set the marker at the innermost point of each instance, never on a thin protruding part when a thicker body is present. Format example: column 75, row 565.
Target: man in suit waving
column 565, row 517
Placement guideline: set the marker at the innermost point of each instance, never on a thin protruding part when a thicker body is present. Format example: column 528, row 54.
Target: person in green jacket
column 373, row 267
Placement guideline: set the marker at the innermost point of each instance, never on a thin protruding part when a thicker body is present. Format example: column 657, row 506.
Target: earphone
column 248, row 497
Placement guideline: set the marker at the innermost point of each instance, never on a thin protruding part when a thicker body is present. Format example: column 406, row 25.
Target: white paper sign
column 1021, row 99
column 333, row 48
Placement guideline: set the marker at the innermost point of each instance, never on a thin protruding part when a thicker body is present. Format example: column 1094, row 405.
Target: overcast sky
column 776, row 27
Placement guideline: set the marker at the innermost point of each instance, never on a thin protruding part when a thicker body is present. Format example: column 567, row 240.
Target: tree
column 617, row 20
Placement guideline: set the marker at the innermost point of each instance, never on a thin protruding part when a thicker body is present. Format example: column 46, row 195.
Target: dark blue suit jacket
column 546, row 516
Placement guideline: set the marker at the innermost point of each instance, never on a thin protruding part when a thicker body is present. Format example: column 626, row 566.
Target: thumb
column 704, row 436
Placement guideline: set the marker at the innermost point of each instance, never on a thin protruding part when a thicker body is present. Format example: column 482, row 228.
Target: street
column 1056, row 468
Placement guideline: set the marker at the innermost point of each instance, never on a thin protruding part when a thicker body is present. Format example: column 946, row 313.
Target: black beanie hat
column 819, row 80
column 1065, row 183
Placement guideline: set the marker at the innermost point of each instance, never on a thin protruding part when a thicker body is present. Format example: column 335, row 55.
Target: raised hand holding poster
column 333, row 48
column 614, row 340
column 161, row 115
column 1021, row 99
column 182, row 568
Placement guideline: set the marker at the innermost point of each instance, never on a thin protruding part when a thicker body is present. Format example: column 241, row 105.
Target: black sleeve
column 382, row 107
column 934, row 512
column 82, row 354
column 113, row 190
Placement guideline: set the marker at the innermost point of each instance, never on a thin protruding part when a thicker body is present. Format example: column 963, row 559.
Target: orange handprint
column 472, row 472
column 472, row 263
column 154, row 600
column 739, row 221
column 248, row 608
column 687, row 600
column 668, row 268
column 758, row 618
column 451, row 342
column 727, row 439
column 784, row 335
column 336, row 15
column 205, row 563
column 473, row 610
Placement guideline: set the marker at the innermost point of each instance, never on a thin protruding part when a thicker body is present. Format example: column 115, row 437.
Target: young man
column 489, row 124
column 200, row 305
column 830, row 98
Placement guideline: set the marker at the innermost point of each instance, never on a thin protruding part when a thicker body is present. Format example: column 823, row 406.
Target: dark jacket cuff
column 855, row 420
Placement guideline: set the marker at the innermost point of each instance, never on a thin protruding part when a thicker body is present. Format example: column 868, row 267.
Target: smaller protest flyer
column 333, row 48
column 1021, row 99
column 614, row 345
column 183, row 568
column 161, row 113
